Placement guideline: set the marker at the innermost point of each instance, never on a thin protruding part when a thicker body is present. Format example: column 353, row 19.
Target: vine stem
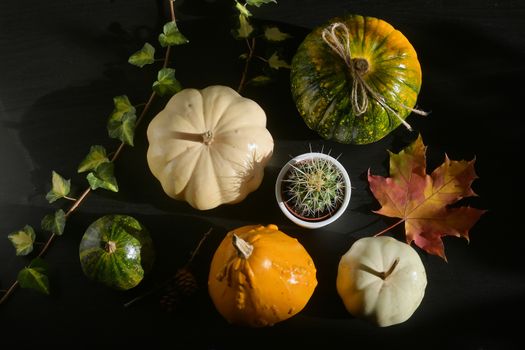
column 198, row 247
column 9, row 292
column 390, row 227
column 166, row 282
column 251, row 50
column 116, row 154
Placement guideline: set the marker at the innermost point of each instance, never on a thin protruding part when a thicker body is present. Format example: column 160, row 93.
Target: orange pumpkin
column 260, row 276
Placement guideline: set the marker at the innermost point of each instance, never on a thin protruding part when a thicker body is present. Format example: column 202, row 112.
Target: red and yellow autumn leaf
column 423, row 201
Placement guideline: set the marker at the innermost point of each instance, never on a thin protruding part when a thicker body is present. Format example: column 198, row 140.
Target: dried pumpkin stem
column 340, row 44
column 205, row 137
column 244, row 249
column 110, row 247
column 391, row 269
column 381, row 274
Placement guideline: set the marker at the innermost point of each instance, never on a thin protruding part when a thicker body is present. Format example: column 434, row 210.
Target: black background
column 62, row 61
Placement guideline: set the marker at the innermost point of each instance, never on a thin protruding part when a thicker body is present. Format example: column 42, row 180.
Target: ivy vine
column 98, row 164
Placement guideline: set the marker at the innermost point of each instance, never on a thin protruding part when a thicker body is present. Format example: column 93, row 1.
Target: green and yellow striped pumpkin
column 117, row 251
column 322, row 82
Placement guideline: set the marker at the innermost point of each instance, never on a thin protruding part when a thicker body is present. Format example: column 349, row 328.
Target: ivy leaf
column 144, row 56
column 258, row 3
column 166, row 83
column 244, row 28
column 171, row 35
column 96, row 156
column 276, row 62
column 122, row 105
column 275, row 34
column 54, row 223
column 243, row 11
column 35, row 276
column 260, row 80
column 423, row 200
column 103, row 177
column 60, row 188
column 122, row 121
column 124, row 129
column 23, row 240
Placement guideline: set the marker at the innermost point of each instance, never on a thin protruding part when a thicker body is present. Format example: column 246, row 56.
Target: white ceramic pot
column 312, row 224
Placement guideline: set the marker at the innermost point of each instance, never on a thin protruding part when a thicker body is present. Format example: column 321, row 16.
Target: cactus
column 315, row 188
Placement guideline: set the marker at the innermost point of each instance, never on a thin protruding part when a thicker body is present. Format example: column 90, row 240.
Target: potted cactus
column 313, row 189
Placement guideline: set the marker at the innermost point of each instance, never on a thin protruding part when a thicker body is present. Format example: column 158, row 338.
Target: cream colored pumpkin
column 209, row 146
column 381, row 279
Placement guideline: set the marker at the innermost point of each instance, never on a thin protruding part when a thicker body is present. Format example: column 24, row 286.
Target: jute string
column 361, row 91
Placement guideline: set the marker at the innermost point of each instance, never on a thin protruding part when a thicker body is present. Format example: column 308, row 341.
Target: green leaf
column 243, row 11
column 103, row 177
column 243, row 56
column 276, row 62
column 258, row 3
column 144, row 56
column 275, row 34
column 122, row 105
column 96, row 156
column 23, row 240
column 260, row 80
column 35, row 276
column 124, row 129
column 54, row 223
column 166, row 83
column 122, row 121
column 171, row 35
column 60, row 188
column 244, row 28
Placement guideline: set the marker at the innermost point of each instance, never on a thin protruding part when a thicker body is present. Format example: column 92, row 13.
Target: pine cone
column 182, row 286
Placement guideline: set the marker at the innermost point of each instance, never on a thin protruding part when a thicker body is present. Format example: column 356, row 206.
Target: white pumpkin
column 209, row 146
column 381, row 279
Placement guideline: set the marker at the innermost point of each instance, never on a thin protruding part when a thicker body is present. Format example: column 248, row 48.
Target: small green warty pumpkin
column 323, row 80
column 117, row 251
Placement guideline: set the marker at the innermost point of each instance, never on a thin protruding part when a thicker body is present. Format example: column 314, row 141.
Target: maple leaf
column 423, row 201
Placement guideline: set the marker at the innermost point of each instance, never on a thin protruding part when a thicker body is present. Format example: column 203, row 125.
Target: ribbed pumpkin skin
column 133, row 256
column 271, row 285
column 226, row 169
column 321, row 82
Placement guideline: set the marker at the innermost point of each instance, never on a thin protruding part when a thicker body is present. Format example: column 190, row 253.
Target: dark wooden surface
column 61, row 62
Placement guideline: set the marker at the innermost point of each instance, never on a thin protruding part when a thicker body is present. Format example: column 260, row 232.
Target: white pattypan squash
column 381, row 279
column 209, row 147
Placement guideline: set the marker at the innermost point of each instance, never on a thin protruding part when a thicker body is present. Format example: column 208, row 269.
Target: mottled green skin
column 125, row 267
column 321, row 82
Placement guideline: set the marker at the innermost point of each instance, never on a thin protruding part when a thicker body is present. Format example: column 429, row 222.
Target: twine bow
column 340, row 44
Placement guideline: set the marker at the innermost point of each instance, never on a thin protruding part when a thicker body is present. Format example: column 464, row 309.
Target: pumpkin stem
column 205, row 137
column 110, row 247
column 383, row 274
column 391, row 269
column 244, row 249
column 361, row 65
column 337, row 36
